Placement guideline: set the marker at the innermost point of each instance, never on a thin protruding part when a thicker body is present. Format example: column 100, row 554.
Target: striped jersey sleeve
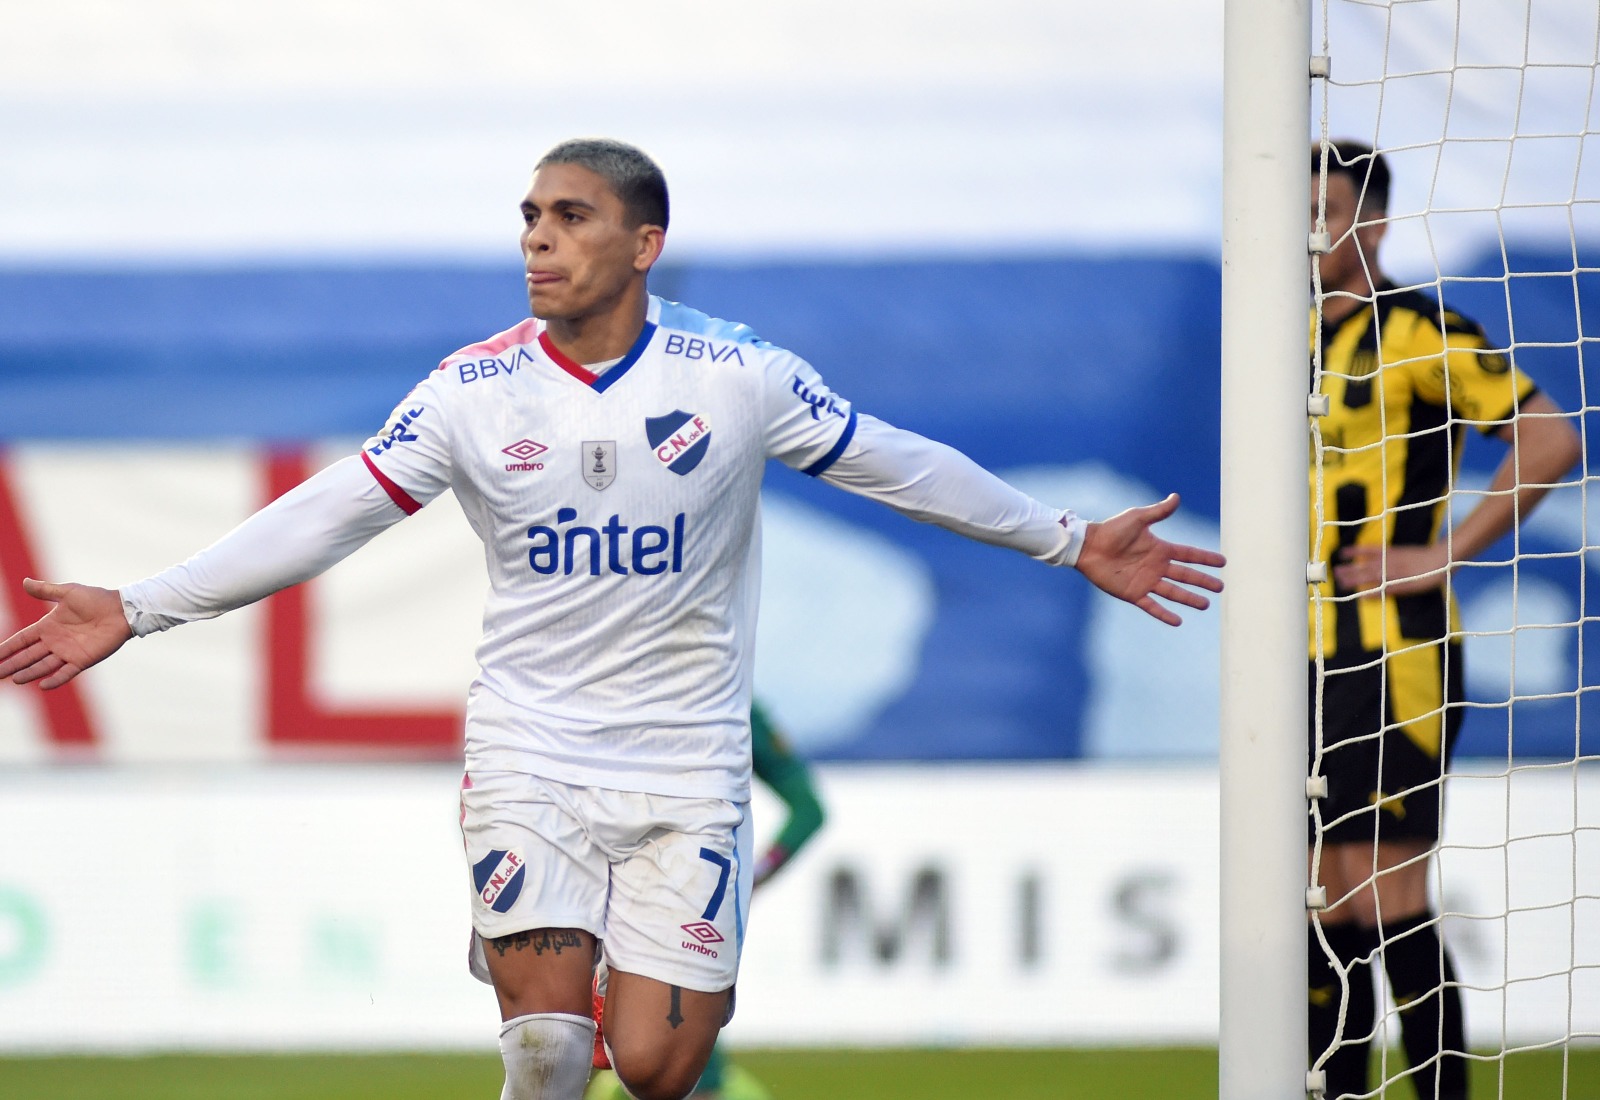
column 808, row 426
column 410, row 455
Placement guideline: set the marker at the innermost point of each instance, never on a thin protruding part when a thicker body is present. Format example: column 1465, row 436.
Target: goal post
column 1264, row 510
column 1488, row 114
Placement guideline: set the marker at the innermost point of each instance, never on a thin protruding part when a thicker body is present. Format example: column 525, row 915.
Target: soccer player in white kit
column 609, row 453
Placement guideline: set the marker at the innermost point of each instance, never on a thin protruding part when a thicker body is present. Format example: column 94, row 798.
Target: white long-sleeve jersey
column 620, row 521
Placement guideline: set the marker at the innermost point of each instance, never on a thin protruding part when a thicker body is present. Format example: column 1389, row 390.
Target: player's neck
column 1339, row 302
column 603, row 335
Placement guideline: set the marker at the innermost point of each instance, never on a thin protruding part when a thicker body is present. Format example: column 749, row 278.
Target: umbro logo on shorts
column 680, row 439
column 498, row 878
column 704, row 933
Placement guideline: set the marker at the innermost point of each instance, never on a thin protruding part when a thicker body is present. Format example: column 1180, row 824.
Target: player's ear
column 649, row 242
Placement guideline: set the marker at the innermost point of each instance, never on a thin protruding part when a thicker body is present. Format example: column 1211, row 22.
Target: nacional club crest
column 680, row 439
column 599, row 462
column 498, row 878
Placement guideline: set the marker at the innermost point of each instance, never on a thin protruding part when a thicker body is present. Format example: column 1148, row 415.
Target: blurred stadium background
column 231, row 238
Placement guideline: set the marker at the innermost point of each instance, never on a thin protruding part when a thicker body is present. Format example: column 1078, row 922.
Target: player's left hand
column 1123, row 557
column 1392, row 570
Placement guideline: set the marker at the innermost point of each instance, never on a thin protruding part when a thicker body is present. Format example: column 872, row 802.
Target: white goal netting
column 1487, row 113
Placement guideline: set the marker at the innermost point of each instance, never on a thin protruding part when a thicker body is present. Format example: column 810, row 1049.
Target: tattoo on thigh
column 675, row 1015
column 545, row 939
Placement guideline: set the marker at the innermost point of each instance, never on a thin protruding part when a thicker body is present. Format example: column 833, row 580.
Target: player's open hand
column 1123, row 557
column 84, row 628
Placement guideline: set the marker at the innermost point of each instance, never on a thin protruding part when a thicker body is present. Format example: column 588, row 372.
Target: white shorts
column 663, row 882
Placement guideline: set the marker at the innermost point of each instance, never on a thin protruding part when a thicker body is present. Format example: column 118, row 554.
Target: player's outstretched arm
column 298, row 536
column 1123, row 557
column 933, row 483
column 84, row 628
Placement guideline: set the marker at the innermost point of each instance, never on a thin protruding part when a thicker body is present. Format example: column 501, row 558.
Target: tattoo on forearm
column 675, row 1016
column 541, row 941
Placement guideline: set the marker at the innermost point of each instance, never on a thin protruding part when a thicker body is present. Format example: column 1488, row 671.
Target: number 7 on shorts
column 725, row 865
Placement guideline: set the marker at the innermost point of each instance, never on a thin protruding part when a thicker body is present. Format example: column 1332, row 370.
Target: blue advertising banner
column 1092, row 381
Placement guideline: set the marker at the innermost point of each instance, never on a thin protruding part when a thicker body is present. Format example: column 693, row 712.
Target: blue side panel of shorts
column 739, row 835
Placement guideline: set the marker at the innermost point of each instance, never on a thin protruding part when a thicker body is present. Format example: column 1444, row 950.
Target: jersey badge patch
column 399, row 432
column 680, row 439
column 1493, row 362
column 599, row 462
column 524, row 451
column 498, row 877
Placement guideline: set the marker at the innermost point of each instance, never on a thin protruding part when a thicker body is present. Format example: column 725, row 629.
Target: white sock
column 547, row 1056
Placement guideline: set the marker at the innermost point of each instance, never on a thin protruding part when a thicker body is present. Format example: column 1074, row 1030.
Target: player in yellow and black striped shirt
column 1404, row 377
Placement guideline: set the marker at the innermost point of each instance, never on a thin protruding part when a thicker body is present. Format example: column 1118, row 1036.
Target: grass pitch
column 1138, row 1074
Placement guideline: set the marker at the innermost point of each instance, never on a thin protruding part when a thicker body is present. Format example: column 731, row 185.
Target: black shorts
column 1388, row 730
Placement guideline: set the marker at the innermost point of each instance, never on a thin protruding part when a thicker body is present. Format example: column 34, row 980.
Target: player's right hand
column 1393, row 570
column 84, row 628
